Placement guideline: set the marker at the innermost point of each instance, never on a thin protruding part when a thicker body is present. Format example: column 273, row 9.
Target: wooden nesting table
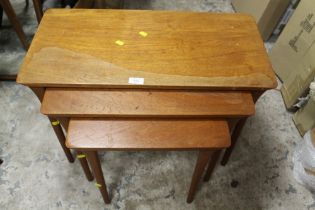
column 126, row 64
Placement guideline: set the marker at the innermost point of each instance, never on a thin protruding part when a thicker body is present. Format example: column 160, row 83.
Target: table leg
column 96, row 167
column 56, row 124
column 203, row 159
column 38, row 9
column 8, row 9
column 237, row 130
column 1, row 15
column 7, row 77
column 64, row 121
column 61, row 137
column 236, row 133
column 39, row 92
column 85, row 166
column 212, row 163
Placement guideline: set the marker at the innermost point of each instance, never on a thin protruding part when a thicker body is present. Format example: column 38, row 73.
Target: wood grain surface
column 86, row 102
column 92, row 134
column 77, row 48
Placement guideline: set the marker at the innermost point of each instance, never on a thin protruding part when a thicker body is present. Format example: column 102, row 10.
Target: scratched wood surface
column 87, row 102
column 76, row 48
column 99, row 133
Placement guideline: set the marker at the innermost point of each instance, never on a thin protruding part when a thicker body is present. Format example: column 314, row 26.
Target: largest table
column 187, row 50
column 129, row 49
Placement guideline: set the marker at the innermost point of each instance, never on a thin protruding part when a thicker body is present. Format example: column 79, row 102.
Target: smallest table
column 93, row 135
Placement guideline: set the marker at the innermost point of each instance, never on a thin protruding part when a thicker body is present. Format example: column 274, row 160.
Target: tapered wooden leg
column 80, row 155
column 1, row 15
column 203, row 159
column 95, row 164
column 85, row 166
column 213, row 161
column 6, row 77
column 235, row 135
column 8, row 9
column 64, row 121
column 61, row 137
column 238, row 129
column 38, row 9
column 39, row 92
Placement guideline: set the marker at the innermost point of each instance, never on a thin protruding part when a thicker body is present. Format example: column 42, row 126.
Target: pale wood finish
column 183, row 50
column 94, row 134
column 140, row 103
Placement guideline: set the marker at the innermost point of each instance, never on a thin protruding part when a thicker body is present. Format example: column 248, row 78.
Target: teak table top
column 147, row 134
column 85, row 102
column 177, row 50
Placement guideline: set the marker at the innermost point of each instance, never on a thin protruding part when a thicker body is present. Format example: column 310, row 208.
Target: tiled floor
column 36, row 175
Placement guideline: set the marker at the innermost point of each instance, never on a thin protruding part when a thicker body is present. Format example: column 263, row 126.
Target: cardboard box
column 285, row 17
column 267, row 13
column 304, row 118
column 297, row 85
column 293, row 55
